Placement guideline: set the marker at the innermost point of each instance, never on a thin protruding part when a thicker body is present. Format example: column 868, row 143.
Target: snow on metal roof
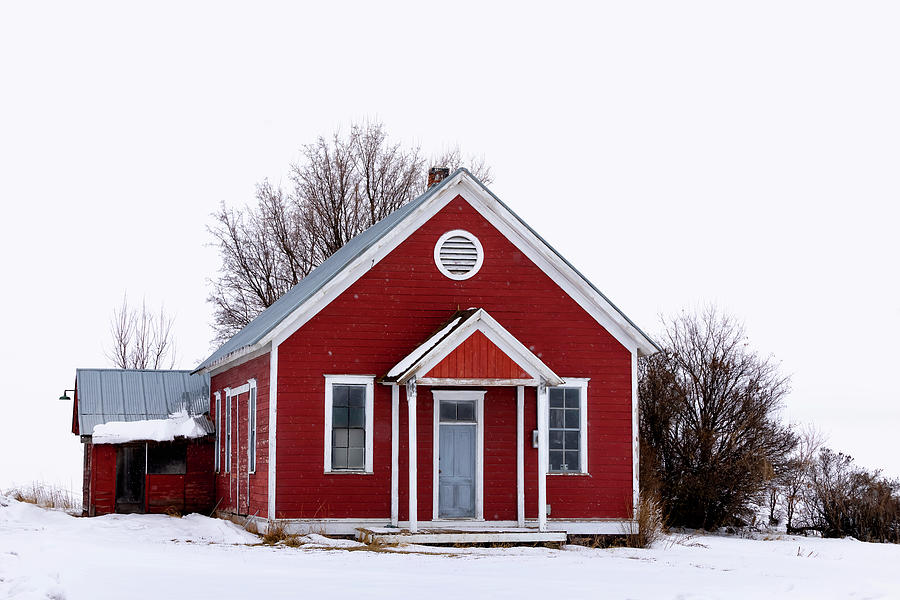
column 106, row 395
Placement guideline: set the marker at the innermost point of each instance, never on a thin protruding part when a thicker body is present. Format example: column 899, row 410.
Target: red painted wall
column 394, row 308
column 252, row 490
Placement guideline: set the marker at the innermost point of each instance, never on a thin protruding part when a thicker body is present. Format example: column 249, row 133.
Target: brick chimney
column 437, row 175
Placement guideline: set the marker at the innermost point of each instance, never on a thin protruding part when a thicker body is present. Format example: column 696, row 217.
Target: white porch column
column 543, row 455
column 520, row 455
column 413, row 491
column 395, row 455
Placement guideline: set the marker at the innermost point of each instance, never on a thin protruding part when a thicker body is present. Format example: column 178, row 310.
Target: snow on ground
column 48, row 554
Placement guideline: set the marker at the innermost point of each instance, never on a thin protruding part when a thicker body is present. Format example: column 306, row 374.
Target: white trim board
column 472, row 191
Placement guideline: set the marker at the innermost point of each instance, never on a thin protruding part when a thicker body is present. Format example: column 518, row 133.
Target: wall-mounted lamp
column 65, row 396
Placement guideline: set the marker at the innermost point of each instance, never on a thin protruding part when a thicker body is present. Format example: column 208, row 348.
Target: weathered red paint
column 375, row 323
column 251, row 490
column 478, row 357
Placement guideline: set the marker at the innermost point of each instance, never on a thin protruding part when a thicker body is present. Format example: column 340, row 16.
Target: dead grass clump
column 46, row 496
column 648, row 525
column 277, row 534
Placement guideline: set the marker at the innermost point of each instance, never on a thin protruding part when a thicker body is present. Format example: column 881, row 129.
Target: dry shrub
column 46, row 495
column 276, row 534
column 648, row 525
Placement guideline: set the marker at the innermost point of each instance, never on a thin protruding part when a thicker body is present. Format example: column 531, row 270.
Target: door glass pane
column 448, row 411
column 465, row 411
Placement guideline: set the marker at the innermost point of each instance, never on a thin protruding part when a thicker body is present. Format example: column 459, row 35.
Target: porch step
column 389, row 535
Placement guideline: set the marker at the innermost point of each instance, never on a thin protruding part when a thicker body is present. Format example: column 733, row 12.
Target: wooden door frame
column 477, row 396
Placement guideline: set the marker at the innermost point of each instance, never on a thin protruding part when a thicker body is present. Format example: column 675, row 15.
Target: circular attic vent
column 458, row 254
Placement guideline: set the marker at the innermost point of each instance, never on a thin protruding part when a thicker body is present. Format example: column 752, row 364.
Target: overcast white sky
column 677, row 153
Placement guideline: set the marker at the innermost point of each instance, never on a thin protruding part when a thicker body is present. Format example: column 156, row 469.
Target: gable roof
column 456, row 331
column 106, row 395
column 259, row 332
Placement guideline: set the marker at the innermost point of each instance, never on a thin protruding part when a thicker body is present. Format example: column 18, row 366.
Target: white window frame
column 218, row 460
column 369, row 382
column 251, row 417
column 581, row 383
column 228, row 436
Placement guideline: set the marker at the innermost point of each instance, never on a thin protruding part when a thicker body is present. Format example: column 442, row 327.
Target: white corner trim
column 543, row 455
column 478, row 397
column 479, row 258
column 369, row 382
column 273, row 427
column 635, row 436
column 413, row 520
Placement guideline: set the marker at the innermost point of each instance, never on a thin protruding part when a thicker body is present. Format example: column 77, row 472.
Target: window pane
column 339, row 458
column 556, row 440
column 339, row 438
column 556, row 459
column 572, row 397
column 166, row 459
column 340, row 417
column 465, row 411
column 572, row 421
column 357, row 417
column 340, row 395
column 357, row 438
column 556, row 398
column 357, row 395
column 557, row 420
column 356, row 458
column 572, row 459
column 448, row 411
column 571, row 440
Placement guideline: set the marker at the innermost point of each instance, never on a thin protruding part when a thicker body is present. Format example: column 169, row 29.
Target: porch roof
column 455, row 332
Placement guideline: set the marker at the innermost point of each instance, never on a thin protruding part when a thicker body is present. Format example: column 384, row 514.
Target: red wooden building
column 148, row 445
column 446, row 369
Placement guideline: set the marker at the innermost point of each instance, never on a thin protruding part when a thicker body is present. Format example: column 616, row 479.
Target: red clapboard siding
column 478, row 357
column 383, row 316
column 251, row 489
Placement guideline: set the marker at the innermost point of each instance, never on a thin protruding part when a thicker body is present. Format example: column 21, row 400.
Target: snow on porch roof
column 106, row 395
column 454, row 332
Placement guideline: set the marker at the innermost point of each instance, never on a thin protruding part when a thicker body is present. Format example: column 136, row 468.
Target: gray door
column 457, row 471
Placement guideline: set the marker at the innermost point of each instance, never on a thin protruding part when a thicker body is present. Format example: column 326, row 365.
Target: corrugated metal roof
column 316, row 280
column 106, row 395
column 267, row 320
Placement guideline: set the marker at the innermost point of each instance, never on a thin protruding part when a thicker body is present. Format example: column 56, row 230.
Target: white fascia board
column 497, row 334
column 564, row 275
column 364, row 262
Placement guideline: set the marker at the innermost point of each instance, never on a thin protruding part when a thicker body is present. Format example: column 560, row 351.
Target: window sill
column 348, row 472
column 568, row 474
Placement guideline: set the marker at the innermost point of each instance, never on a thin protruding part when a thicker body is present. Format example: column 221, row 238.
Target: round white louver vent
column 458, row 254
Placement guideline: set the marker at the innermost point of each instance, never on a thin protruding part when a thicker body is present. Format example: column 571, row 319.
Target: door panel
column 131, row 463
column 456, row 493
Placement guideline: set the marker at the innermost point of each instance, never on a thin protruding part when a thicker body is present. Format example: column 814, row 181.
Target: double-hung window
column 251, row 427
column 348, row 423
column 568, row 427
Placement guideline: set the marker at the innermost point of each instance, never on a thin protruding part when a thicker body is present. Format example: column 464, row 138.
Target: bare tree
column 341, row 186
column 709, row 420
column 141, row 339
